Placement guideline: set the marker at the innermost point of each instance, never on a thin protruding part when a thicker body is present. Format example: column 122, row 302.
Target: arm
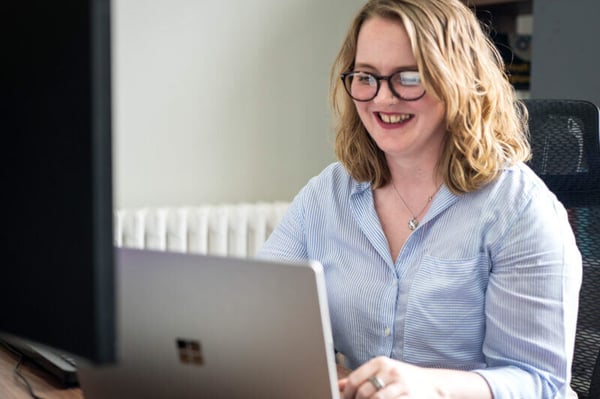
column 531, row 303
column 287, row 241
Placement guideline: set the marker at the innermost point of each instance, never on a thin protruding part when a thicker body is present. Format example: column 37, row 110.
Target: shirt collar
column 359, row 187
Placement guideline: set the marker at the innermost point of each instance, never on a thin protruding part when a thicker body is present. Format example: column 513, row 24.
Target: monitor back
column 56, row 235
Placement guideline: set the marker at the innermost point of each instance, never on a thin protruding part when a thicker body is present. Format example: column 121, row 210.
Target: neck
column 417, row 179
column 416, row 169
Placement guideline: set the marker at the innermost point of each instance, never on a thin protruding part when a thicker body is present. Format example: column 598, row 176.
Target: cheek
column 435, row 110
column 362, row 110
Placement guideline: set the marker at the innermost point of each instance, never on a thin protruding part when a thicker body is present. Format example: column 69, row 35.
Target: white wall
column 222, row 101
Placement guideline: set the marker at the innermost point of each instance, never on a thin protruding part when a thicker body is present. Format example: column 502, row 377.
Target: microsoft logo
column 190, row 351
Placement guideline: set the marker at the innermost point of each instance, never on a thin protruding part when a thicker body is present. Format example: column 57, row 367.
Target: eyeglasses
column 363, row 86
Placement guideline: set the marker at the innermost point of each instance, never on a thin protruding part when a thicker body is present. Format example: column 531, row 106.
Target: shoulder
column 326, row 192
column 521, row 195
column 517, row 194
column 520, row 184
column 334, row 172
column 333, row 181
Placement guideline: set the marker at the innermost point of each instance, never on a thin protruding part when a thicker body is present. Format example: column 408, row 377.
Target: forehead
column 383, row 44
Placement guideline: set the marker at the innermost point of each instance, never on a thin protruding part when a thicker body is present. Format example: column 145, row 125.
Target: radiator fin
column 226, row 230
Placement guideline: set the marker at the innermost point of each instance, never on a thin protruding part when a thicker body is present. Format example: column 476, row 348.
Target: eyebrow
column 364, row 65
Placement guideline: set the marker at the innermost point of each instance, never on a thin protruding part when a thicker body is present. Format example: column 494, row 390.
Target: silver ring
column 377, row 382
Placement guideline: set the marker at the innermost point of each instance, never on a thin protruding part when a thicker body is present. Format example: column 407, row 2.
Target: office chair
column 595, row 384
column 565, row 145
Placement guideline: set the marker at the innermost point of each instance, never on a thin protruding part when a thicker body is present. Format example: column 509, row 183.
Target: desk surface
column 43, row 385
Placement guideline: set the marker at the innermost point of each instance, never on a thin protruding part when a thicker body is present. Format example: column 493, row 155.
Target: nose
column 385, row 94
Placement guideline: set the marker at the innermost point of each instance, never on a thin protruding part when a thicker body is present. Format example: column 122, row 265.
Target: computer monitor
column 56, row 284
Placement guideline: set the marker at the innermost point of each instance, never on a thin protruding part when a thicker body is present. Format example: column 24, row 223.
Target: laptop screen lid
column 196, row 326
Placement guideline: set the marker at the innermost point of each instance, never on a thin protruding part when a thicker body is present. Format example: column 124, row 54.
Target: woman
column 451, row 270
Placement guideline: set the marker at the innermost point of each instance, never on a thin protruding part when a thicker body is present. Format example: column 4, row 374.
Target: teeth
column 393, row 118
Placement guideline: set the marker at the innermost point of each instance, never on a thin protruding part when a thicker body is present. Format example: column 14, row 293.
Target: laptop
column 196, row 326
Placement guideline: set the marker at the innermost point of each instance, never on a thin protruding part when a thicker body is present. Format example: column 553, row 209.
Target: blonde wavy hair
column 486, row 125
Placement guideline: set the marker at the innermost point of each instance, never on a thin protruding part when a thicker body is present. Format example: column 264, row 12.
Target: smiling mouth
column 396, row 118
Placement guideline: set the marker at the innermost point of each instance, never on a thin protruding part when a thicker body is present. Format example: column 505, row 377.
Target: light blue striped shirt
column 488, row 281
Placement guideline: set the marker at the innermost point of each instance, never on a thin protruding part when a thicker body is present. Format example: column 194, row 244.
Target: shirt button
column 387, row 331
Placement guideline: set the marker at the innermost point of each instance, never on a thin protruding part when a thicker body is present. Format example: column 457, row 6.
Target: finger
column 359, row 379
column 366, row 390
column 363, row 372
column 376, row 381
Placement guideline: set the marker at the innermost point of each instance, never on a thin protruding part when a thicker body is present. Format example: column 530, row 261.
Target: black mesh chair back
column 595, row 384
column 565, row 141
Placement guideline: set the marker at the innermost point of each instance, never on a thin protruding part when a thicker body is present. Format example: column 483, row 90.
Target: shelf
column 502, row 15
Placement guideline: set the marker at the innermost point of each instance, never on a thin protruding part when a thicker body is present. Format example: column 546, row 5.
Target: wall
column 222, row 101
column 566, row 50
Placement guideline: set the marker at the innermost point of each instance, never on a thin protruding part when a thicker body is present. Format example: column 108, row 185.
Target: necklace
column 414, row 221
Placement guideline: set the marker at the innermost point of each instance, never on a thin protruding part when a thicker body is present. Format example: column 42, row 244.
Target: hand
column 403, row 380
column 399, row 379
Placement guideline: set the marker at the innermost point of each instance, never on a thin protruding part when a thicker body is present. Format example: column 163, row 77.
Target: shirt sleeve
column 531, row 304
column 287, row 241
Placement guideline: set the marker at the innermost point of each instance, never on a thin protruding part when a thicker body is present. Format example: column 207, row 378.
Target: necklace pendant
column 413, row 223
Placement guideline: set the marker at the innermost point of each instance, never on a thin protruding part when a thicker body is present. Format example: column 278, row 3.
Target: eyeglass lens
column 364, row 86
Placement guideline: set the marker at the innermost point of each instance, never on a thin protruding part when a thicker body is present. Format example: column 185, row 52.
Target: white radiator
column 235, row 230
